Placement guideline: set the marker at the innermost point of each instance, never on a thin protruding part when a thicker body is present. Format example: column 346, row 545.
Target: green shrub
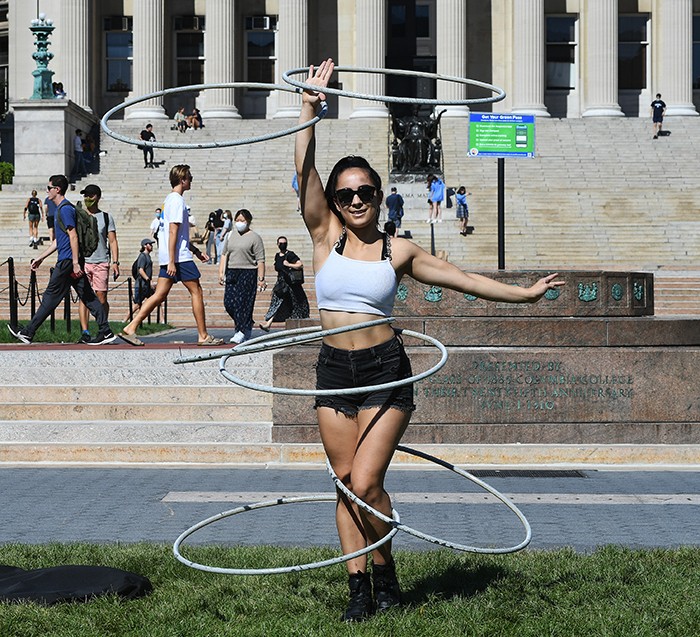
column 7, row 172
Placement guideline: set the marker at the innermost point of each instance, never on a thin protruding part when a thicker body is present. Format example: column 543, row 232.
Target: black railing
column 32, row 295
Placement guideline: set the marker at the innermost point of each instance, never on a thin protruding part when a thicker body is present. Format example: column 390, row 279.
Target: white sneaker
column 237, row 338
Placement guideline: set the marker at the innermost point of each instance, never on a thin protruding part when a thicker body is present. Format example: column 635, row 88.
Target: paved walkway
column 580, row 509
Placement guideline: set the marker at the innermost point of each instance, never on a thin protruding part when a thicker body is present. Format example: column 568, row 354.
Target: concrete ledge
column 610, row 456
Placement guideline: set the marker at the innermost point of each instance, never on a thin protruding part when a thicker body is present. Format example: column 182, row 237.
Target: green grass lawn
column 611, row 592
column 62, row 335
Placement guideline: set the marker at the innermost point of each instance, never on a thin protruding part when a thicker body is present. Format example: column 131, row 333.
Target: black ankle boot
column 360, row 605
column 387, row 592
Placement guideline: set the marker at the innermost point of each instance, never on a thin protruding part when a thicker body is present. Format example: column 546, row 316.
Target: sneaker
column 31, row 242
column 237, row 338
column 85, row 339
column 387, row 592
column 103, row 339
column 360, row 605
column 19, row 335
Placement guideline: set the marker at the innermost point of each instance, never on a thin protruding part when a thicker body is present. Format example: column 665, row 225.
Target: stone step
column 115, row 432
column 91, row 411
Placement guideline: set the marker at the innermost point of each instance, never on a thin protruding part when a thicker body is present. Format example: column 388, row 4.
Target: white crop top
column 348, row 285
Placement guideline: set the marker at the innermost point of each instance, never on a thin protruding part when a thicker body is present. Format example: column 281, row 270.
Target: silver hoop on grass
column 500, row 93
column 429, row 538
column 215, row 144
column 280, row 569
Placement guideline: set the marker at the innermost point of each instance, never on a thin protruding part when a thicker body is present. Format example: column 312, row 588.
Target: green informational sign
column 501, row 135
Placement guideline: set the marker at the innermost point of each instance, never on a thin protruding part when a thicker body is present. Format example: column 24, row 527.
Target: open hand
column 320, row 77
column 548, row 282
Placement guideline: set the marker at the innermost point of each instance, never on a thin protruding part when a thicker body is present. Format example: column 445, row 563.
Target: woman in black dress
column 288, row 296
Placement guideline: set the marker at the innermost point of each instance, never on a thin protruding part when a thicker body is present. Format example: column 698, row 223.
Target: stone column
column 452, row 54
column 76, row 38
column 149, row 25
column 219, row 62
column 528, row 58
column 673, row 53
column 293, row 51
column 599, row 58
column 370, row 52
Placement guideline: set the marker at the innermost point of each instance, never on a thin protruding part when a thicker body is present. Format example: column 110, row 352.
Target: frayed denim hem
column 351, row 412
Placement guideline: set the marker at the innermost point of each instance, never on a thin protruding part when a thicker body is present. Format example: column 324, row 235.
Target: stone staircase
column 127, row 405
column 601, row 194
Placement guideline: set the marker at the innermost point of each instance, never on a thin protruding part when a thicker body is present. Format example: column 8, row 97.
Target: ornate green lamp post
column 42, row 29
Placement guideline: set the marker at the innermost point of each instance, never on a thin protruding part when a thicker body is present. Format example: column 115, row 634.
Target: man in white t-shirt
column 175, row 256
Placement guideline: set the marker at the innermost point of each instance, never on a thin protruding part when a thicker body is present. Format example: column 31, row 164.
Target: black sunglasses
column 346, row 196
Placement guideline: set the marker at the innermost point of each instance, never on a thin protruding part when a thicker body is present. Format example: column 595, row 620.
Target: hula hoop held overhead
column 297, row 86
column 215, row 144
column 500, row 94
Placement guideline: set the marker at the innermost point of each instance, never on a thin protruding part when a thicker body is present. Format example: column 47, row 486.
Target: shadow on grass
column 453, row 581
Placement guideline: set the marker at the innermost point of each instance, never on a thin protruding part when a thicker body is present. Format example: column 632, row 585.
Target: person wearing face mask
column 242, row 272
column 102, row 261
column 288, row 296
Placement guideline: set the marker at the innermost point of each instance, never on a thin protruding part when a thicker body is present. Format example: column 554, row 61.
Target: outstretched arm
column 433, row 271
column 311, row 196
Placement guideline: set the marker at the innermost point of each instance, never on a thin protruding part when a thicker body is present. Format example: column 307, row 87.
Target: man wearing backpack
column 68, row 271
column 97, row 265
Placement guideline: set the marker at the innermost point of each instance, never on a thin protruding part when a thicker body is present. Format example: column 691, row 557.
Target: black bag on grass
column 69, row 584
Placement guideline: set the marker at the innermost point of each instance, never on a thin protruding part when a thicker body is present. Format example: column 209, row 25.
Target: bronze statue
column 416, row 147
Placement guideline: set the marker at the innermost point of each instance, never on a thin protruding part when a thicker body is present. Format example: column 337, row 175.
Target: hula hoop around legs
column 430, row 538
column 500, row 93
column 280, row 569
column 215, row 144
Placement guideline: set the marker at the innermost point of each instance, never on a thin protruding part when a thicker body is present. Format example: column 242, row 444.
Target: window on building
column 561, row 52
column 696, row 51
column 633, row 45
column 422, row 20
column 189, row 50
column 260, row 48
column 119, row 53
column 397, row 20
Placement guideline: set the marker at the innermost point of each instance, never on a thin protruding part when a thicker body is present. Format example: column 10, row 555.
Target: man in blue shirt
column 67, row 273
column 394, row 203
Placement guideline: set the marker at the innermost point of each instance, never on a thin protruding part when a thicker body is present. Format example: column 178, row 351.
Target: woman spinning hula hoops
column 358, row 269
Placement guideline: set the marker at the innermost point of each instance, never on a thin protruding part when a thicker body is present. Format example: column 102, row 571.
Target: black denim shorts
column 340, row 369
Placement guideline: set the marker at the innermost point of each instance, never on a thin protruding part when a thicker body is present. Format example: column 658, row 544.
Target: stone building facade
column 560, row 58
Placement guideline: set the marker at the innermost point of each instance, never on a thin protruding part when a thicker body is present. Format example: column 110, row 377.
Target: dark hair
column 282, row 237
column 461, row 190
column 390, row 228
column 346, row 163
column 245, row 213
column 61, row 182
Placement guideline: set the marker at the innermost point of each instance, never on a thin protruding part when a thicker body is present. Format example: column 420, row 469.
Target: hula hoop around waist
column 306, row 335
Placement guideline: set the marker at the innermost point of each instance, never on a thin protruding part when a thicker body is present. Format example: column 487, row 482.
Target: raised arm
column 314, row 207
